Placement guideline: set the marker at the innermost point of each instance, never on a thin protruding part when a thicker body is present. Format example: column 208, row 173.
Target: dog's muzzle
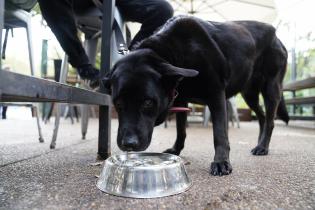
column 130, row 143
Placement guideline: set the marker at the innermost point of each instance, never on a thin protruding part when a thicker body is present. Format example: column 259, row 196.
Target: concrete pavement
column 34, row 177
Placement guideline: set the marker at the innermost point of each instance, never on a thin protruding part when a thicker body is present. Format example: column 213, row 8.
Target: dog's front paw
column 220, row 168
column 172, row 151
column 258, row 150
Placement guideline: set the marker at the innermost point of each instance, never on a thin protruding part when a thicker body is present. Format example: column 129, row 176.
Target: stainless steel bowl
column 143, row 175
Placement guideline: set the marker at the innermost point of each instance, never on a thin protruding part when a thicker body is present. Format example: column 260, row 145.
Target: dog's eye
column 147, row 104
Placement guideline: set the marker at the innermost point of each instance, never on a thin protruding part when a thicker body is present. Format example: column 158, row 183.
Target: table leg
column 104, row 141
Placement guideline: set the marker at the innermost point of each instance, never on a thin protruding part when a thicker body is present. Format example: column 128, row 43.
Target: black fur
column 206, row 62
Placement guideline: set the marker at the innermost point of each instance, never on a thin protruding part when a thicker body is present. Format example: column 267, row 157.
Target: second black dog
column 205, row 62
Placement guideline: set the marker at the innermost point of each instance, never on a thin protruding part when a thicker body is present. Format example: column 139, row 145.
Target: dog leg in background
column 252, row 100
column 221, row 164
column 274, row 69
column 271, row 96
column 181, row 121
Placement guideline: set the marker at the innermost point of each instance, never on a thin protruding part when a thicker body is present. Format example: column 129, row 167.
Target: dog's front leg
column 181, row 121
column 221, row 164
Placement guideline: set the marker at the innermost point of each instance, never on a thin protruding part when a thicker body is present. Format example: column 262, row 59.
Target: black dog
column 206, row 62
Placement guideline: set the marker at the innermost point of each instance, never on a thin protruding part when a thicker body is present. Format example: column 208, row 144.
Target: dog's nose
column 130, row 143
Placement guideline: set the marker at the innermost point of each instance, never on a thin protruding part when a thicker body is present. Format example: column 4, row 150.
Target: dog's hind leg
column 271, row 95
column 251, row 97
column 181, row 121
column 274, row 70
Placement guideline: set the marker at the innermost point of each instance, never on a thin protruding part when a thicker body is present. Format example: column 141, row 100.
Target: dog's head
column 142, row 87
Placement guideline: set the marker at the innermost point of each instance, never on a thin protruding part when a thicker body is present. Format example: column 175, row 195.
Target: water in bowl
column 131, row 160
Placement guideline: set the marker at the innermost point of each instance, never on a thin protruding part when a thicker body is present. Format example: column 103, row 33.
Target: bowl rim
column 179, row 161
column 134, row 196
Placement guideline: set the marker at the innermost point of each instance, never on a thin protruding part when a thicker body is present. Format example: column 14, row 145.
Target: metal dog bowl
column 143, row 175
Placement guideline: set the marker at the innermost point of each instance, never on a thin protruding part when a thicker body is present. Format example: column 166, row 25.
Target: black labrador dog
column 204, row 62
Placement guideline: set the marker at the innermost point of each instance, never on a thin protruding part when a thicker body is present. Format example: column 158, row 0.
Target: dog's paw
column 258, row 150
column 172, row 151
column 220, row 168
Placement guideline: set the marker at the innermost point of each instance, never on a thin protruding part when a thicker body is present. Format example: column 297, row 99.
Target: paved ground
column 34, row 177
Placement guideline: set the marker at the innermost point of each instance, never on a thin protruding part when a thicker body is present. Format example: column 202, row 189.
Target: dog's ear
column 166, row 69
column 170, row 70
column 172, row 75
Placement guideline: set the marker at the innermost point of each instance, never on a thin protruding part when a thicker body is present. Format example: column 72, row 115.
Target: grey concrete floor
column 34, row 177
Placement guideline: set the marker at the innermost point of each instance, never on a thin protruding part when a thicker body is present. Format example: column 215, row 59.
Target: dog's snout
column 130, row 143
column 132, row 140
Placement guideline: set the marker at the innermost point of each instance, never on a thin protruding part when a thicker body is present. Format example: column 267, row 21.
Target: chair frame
column 15, row 19
column 16, row 87
column 119, row 47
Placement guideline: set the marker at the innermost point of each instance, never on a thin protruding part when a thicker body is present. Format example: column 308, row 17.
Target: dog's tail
column 282, row 111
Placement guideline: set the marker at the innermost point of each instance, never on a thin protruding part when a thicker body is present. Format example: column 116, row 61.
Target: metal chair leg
column 234, row 110
column 48, row 116
column 206, row 117
column 93, row 112
column 66, row 112
column 71, row 114
column 5, row 42
column 62, row 79
column 31, row 59
column 41, row 139
column 30, row 46
column 56, row 128
column 84, row 120
column 76, row 113
column 90, row 46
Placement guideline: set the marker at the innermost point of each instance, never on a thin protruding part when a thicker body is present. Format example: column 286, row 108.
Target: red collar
column 174, row 95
